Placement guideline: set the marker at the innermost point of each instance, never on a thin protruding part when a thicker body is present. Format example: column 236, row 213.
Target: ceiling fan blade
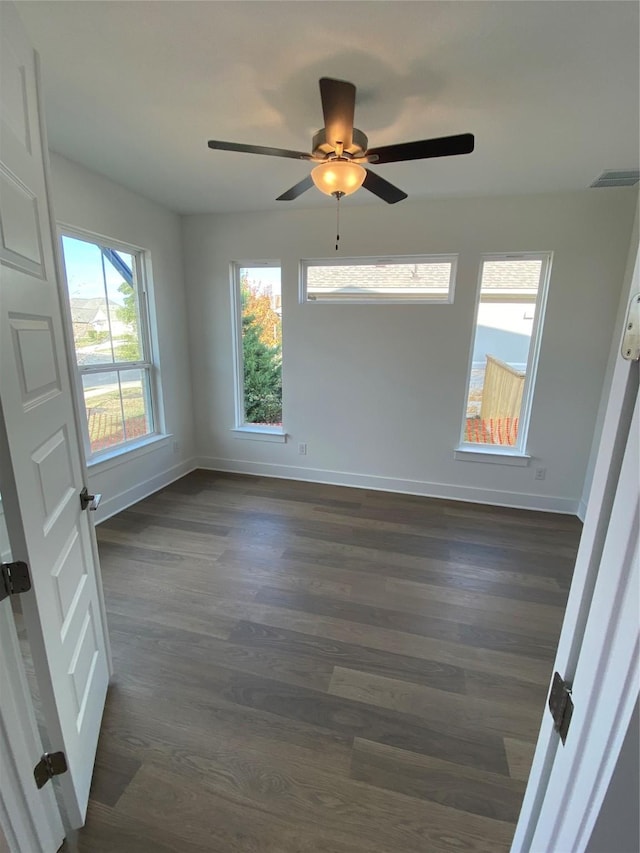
column 258, row 149
column 444, row 146
column 338, row 107
column 383, row 189
column 304, row 185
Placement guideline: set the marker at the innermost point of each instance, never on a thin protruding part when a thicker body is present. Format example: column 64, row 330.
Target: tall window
column 107, row 296
column 258, row 346
column 505, row 350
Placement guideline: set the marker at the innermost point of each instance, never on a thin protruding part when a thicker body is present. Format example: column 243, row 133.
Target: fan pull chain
column 338, row 195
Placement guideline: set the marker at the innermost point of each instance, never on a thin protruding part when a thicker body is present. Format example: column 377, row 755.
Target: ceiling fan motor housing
column 321, row 148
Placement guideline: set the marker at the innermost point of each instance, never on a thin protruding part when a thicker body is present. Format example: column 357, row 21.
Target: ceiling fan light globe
column 338, row 176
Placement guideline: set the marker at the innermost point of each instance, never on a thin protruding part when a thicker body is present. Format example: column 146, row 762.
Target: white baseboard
column 582, row 510
column 123, row 500
column 390, row 484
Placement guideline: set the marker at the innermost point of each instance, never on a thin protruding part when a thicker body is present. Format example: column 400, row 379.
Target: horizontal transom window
column 412, row 278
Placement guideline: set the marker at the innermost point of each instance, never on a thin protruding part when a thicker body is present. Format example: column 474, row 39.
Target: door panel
column 44, row 471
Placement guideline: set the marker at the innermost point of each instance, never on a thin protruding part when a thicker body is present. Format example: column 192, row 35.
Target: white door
column 598, row 646
column 605, row 685
column 44, row 472
column 29, row 818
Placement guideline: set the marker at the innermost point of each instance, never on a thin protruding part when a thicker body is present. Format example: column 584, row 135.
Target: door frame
column 548, row 811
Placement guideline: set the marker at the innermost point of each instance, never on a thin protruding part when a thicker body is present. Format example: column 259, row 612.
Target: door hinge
column 560, row 705
column 88, row 501
column 51, row 764
column 14, row 579
column 631, row 337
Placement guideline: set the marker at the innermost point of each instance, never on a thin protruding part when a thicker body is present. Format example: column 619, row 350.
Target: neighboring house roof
column 519, row 276
column 372, row 276
column 88, row 310
column 501, row 277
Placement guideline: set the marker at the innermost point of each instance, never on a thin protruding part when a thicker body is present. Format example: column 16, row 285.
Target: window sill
column 120, row 455
column 494, row 456
column 260, row 434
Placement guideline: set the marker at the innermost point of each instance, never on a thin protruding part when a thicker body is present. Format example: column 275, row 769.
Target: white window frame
column 242, row 429
column 509, row 454
column 386, row 296
column 141, row 261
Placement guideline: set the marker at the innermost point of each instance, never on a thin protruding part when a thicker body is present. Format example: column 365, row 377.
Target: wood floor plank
column 303, row 668
column 463, row 788
column 519, row 757
column 342, row 716
column 335, row 653
column 501, row 583
column 251, row 815
column 439, row 707
column 494, row 639
column 287, row 665
column 375, row 637
column 287, row 782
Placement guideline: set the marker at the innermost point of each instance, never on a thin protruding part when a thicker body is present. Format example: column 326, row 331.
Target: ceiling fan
column 339, row 149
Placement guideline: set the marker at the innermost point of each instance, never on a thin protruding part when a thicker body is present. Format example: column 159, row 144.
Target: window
column 107, row 297
column 505, row 351
column 415, row 278
column 257, row 323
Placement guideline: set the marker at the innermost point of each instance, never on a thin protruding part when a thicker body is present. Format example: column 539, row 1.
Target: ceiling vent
column 617, row 178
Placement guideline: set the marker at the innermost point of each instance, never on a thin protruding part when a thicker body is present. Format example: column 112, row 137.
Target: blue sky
column 84, row 268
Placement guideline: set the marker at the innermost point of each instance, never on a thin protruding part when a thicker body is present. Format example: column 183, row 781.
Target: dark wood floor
column 303, row 667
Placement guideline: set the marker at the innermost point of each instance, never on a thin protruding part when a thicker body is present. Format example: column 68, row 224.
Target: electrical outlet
column 541, row 473
column 302, row 448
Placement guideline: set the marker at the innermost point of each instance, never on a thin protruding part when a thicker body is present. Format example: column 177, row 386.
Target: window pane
column 88, row 301
column 117, row 406
column 364, row 278
column 104, row 409
column 261, row 344
column 122, row 295
column 104, row 302
column 136, row 403
column 504, row 327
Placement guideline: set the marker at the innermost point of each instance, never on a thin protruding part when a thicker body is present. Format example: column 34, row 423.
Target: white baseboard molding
column 582, row 510
column 116, row 503
column 493, row 497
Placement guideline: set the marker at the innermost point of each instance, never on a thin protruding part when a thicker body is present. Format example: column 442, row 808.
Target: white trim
column 116, row 503
column 517, row 500
column 141, row 261
column 582, row 510
column 534, row 346
column 495, row 456
column 236, row 335
column 379, row 296
column 260, row 433
column 621, row 400
column 124, row 453
column 605, row 686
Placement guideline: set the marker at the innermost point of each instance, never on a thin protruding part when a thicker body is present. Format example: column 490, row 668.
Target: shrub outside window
column 109, row 318
column 505, row 351
column 411, row 278
column 257, row 325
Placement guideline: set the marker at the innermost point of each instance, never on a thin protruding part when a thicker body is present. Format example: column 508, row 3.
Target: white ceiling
column 134, row 90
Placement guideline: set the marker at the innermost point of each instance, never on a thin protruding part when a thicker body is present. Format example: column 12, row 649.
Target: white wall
column 83, row 199
column 377, row 392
